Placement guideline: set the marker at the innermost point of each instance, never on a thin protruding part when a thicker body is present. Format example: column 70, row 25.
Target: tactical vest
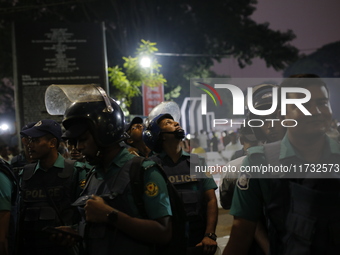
column 101, row 238
column 302, row 219
column 6, row 169
column 191, row 191
column 18, row 163
column 46, row 201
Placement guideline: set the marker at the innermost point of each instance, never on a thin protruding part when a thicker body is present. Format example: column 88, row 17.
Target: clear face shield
column 165, row 107
column 60, row 97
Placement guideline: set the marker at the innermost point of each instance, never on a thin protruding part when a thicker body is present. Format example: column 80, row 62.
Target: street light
column 4, row 127
column 145, row 62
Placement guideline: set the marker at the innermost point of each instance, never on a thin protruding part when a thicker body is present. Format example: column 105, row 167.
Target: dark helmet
column 151, row 135
column 262, row 100
column 106, row 125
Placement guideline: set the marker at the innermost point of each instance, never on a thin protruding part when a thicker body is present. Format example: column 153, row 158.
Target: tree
column 324, row 62
column 126, row 85
column 207, row 30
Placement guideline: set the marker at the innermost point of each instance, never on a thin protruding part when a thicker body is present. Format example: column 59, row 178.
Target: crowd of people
column 97, row 185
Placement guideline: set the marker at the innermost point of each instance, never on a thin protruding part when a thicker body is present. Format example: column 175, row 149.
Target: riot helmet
column 91, row 110
column 152, row 133
column 262, row 100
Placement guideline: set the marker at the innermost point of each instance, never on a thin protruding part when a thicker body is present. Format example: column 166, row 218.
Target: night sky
column 314, row 22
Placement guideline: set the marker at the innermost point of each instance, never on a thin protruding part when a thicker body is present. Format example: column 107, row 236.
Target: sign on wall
column 152, row 96
column 60, row 53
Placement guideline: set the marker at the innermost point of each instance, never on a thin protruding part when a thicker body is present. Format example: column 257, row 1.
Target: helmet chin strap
column 179, row 134
column 98, row 157
column 98, row 153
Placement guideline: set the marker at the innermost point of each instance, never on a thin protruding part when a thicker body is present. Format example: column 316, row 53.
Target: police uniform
column 302, row 213
column 9, row 201
column 47, row 196
column 191, row 188
column 6, row 187
column 115, row 188
column 5, row 192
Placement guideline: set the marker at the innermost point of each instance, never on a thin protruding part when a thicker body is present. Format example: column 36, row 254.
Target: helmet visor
column 59, row 97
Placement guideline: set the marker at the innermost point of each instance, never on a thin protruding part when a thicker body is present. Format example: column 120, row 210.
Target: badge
column 243, row 181
column 151, row 189
column 82, row 183
column 39, row 123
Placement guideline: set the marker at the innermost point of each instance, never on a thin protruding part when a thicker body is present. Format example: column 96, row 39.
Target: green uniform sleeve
column 248, row 198
column 5, row 192
column 156, row 198
column 208, row 180
column 209, row 183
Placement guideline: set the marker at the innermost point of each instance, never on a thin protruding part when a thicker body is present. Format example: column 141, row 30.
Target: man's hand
column 63, row 238
column 209, row 245
column 96, row 210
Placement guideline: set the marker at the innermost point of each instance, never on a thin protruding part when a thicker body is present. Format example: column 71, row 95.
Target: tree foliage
column 324, row 62
column 196, row 32
column 126, row 81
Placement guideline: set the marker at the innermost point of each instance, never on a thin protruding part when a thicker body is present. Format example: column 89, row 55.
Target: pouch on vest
column 313, row 221
column 190, row 199
column 47, row 213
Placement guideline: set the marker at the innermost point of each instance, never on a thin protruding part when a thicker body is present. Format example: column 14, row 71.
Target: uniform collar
column 122, row 157
column 287, row 149
column 116, row 164
column 163, row 154
column 59, row 163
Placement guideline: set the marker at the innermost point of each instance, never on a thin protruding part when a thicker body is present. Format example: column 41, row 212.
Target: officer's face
column 40, row 147
column 319, row 122
column 169, row 125
column 88, row 147
column 273, row 130
column 74, row 153
column 136, row 132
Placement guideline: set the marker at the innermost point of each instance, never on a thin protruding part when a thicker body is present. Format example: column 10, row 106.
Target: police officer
column 48, row 189
column 164, row 136
column 266, row 131
column 261, row 131
column 111, row 221
column 302, row 212
column 135, row 130
column 9, row 198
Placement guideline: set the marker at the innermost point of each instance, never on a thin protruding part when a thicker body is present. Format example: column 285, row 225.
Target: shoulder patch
column 151, row 189
column 243, row 181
